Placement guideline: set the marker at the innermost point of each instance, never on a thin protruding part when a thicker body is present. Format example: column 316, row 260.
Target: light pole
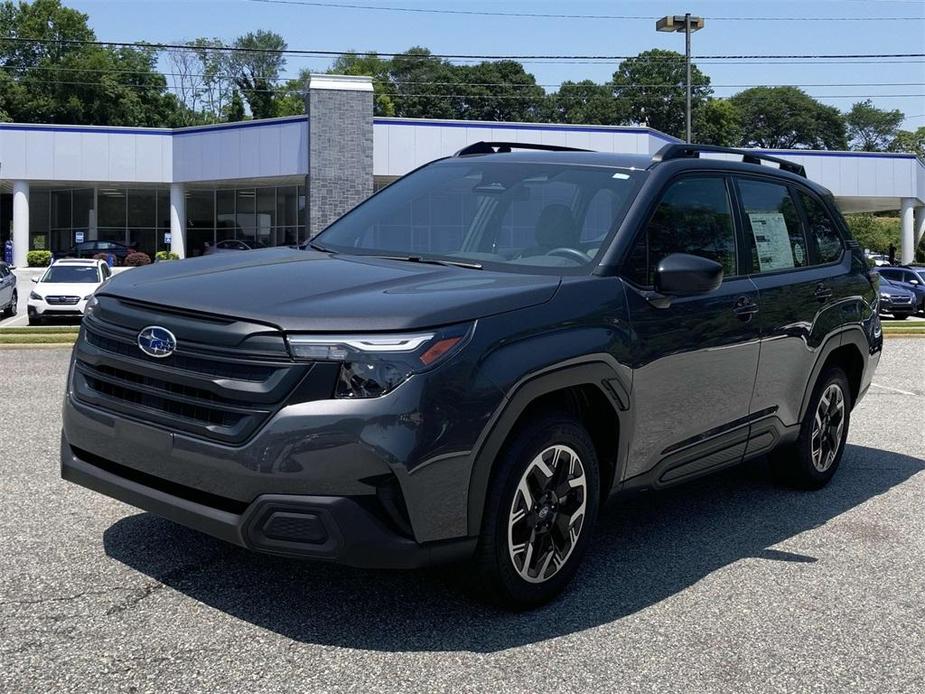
column 687, row 24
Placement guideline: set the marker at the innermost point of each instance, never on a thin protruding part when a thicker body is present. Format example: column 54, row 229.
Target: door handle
column 822, row 292
column 745, row 308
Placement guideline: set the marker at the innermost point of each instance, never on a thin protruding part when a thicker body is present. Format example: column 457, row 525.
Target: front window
column 71, row 274
column 507, row 214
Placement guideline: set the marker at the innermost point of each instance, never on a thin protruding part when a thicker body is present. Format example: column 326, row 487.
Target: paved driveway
column 729, row 584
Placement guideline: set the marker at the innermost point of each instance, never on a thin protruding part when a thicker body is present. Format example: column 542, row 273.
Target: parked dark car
column 9, row 298
column 910, row 278
column 896, row 299
column 466, row 365
column 88, row 249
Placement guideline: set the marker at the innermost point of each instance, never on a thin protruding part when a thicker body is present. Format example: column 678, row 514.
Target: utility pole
column 687, row 24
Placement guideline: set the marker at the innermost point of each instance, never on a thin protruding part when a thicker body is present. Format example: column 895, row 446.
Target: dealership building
column 277, row 181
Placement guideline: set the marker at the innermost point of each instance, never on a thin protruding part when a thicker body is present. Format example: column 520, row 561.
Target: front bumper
column 43, row 308
column 328, row 528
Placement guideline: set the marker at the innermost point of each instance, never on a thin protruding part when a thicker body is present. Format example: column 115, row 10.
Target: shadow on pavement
column 647, row 548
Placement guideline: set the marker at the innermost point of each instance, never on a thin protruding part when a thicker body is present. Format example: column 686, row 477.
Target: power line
column 552, row 15
column 458, row 56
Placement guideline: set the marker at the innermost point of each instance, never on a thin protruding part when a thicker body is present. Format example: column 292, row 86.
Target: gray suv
column 468, row 364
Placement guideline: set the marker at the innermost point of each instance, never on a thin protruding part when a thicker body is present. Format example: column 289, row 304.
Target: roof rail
column 680, row 151
column 504, row 147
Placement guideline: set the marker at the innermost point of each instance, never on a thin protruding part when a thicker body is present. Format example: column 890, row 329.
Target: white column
column 907, row 250
column 919, row 225
column 178, row 219
column 20, row 222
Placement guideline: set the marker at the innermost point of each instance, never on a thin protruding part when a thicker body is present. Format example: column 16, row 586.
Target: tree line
column 51, row 71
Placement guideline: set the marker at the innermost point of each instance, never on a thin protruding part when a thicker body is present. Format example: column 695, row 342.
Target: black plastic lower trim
column 338, row 529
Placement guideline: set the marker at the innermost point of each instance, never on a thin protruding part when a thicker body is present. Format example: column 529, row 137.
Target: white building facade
column 184, row 189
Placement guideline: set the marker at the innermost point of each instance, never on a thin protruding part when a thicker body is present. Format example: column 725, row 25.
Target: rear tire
column 10, row 310
column 540, row 512
column 812, row 461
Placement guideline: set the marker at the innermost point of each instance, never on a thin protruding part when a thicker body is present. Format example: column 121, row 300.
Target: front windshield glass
column 72, row 274
column 511, row 215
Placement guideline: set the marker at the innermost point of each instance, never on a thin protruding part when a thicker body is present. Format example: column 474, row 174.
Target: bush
column 137, row 258
column 165, row 255
column 38, row 258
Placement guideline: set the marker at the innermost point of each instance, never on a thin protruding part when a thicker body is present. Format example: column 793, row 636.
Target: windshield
column 517, row 215
column 72, row 274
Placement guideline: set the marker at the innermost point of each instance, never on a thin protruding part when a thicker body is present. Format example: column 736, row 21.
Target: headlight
column 884, row 295
column 372, row 365
column 33, row 295
column 92, row 303
column 88, row 297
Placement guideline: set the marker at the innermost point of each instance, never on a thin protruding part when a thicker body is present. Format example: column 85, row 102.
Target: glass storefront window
column 39, row 220
column 142, row 208
column 111, row 202
column 82, row 209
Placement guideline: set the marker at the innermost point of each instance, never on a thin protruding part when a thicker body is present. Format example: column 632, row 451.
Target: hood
column 80, row 289
column 308, row 290
column 890, row 287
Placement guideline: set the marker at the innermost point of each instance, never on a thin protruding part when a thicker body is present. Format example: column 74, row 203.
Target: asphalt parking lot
column 730, row 584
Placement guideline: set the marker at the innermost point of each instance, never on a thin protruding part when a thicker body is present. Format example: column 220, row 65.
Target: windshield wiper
column 432, row 261
column 317, row 247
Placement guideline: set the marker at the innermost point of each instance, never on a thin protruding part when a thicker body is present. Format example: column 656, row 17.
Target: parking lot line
column 895, row 390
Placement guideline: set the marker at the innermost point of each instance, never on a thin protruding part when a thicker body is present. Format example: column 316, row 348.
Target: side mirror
column 35, row 280
column 680, row 274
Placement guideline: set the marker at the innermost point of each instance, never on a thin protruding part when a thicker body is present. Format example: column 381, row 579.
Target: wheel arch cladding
column 578, row 390
column 844, row 350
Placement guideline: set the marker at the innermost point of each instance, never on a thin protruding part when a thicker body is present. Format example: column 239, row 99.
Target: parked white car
column 64, row 288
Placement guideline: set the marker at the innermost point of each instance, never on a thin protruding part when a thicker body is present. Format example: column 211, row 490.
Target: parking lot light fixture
column 687, row 24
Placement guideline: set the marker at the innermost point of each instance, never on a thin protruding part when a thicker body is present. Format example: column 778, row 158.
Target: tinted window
column 693, row 217
column 3, row 271
column 773, row 227
column 822, row 230
column 889, row 274
column 599, row 215
column 510, row 213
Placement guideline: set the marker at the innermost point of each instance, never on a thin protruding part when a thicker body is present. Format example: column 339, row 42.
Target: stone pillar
column 907, row 244
column 340, row 147
column 178, row 219
column 919, row 226
column 20, row 222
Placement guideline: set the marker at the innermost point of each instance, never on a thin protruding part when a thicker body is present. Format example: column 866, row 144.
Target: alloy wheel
column 547, row 513
column 828, row 426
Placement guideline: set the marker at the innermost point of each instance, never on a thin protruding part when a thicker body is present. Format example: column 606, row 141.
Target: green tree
column 717, row 122
column 256, row 64
column 652, row 88
column 370, row 65
column 500, row 91
column 425, row 86
column 910, row 141
column 871, row 129
column 585, row 102
column 59, row 78
column 788, row 118
column 234, row 112
column 874, row 233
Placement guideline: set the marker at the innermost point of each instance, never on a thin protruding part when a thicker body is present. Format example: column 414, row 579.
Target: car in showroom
column 465, row 366
column 89, row 249
column 909, row 278
column 895, row 299
column 234, row 245
column 64, row 289
column 9, row 298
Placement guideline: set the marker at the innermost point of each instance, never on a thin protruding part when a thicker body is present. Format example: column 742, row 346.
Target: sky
column 889, row 84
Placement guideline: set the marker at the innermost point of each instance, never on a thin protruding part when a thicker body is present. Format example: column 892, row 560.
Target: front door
column 695, row 360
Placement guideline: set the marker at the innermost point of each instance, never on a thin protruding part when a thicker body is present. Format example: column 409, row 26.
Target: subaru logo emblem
column 157, row 342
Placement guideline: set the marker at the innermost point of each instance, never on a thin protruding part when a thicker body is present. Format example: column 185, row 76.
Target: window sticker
column 772, row 241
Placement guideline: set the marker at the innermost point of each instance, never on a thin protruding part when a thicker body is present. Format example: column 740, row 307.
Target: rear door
column 7, row 282
column 797, row 268
column 694, row 361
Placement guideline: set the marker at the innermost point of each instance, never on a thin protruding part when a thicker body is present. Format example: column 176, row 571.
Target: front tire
column 35, row 320
column 812, row 461
column 540, row 512
column 10, row 310
column 900, row 316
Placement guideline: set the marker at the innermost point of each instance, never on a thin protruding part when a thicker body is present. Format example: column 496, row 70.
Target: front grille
column 62, row 300
column 203, row 390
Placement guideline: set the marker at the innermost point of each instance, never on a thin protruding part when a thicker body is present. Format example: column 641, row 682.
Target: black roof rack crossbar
column 504, row 147
column 680, row 151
